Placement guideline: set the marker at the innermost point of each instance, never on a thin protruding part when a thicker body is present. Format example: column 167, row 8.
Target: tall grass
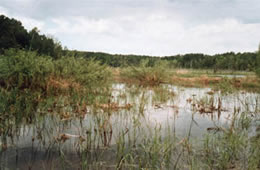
column 88, row 73
column 233, row 148
column 258, row 72
column 146, row 75
column 24, row 70
column 30, row 83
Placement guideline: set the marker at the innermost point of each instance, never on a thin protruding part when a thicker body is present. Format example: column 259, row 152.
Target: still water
column 133, row 112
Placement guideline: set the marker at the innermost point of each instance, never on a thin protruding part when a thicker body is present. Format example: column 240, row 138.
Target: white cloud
column 30, row 23
column 156, row 34
column 153, row 27
column 3, row 11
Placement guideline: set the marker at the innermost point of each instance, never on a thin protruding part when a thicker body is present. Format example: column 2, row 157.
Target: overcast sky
column 150, row 27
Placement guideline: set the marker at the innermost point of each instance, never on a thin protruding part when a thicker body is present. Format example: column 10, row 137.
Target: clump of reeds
column 146, row 75
column 24, row 70
column 233, row 147
column 30, row 82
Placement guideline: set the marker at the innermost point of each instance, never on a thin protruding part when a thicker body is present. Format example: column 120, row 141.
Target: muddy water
column 170, row 109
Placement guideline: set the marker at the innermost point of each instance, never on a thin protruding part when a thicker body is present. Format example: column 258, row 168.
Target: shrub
column 21, row 69
column 31, row 83
column 88, row 73
column 146, row 75
column 258, row 72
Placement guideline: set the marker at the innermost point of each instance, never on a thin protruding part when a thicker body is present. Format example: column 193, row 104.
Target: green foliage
column 146, row 75
column 258, row 72
column 225, row 85
column 85, row 72
column 44, row 44
column 14, row 35
column 20, row 69
column 28, row 81
column 226, row 61
column 258, row 63
column 233, row 147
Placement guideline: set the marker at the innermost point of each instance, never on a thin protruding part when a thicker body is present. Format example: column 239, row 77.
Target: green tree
column 258, row 62
column 12, row 34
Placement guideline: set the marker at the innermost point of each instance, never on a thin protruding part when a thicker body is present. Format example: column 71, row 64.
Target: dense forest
column 14, row 35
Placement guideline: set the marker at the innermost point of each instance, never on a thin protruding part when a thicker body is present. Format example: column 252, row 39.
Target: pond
column 132, row 116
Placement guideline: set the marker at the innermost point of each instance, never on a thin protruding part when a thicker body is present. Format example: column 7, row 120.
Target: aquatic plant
column 233, row 147
column 146, row 75
column 87, row 73
column 32, row 84
column 258, row 72
column 24, row 70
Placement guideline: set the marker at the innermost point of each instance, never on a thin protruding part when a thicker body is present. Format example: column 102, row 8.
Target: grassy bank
column 225, row 80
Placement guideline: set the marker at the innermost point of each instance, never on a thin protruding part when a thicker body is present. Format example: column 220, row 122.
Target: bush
column 30, row 83
column 258, row 72
column 88, row 73
column 146, row 75
column 21, row 69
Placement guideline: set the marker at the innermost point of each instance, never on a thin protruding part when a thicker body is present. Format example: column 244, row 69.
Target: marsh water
column 131, row 115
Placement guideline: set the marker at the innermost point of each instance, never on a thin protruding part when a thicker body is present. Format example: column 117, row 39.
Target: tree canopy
column 14, row 35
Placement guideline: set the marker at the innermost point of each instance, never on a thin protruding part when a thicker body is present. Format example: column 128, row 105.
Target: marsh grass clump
column 258, row 72
column 87, row 73
column 233, row 147
column 28, row 70
column 24, row 70
column 23, row 77
column 162, row 94
column 225, row 86
column 31, row 83
column 146, row 75
column 208, row 105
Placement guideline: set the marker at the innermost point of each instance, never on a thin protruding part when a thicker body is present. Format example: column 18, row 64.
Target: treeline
column 14, row 35
column 114, row 60
column 231, row 61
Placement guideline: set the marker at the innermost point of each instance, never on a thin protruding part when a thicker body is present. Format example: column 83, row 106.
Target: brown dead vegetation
column 113, row 106
column 243, row 83
column 195, row 81
column 248, row 83
column 59, row 83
